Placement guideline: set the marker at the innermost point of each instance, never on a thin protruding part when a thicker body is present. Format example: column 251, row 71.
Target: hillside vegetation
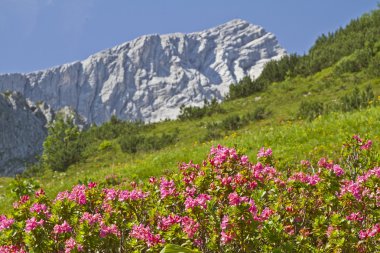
column 301, row 106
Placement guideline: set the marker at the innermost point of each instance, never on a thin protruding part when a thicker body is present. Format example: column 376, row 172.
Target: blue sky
column 37, row 34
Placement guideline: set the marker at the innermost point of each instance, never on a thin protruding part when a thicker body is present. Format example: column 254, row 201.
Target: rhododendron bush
column 225, row 204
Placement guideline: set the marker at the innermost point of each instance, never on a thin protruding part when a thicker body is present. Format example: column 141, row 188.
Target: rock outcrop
column 150, row 77
column 22, row 132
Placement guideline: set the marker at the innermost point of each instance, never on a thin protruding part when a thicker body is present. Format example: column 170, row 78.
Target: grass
column 290, row 138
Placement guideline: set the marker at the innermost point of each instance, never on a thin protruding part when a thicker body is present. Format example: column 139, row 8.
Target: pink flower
column 221, row 154
column 235, row 199
column 355, row 217
column 252, row 207
column 91, row 185
column 189, row 226
column 91, row 218
column 108, row 230
column 289, row 229
column 304, row 178
column 313, row 179
column 11, row 249
column 5, row 222
column 264, row 152
column 351, row 187
column 226, row 237
column 330, row 230
column 338, row 170
column 37, row 208
column 167, row 188
column 71, row 244
column 32, row 224
column 152, row 180
column 62, row 196
column 224, row 223
column 226, row 180
column 357, row 138
column 190, row 191
column 371, row 232
column 200, row 201
column 132, row 195
column 60, row 229
column 266, row 213
column 110, row 194
column 39, row 193
column 323, row 163
column 367, row 145
column 305, row 163
column 78, row 194
column 166, row 222
column 144, row 233
column 244, row 160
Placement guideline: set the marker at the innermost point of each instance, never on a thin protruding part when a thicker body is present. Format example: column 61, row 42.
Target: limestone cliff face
column 22, row 132
column 150, row 77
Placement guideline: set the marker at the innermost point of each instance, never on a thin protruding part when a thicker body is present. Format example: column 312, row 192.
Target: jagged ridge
column 150, row 77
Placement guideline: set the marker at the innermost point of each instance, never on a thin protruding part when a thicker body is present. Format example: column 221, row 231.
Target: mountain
column 150, row 77
column 22, row 132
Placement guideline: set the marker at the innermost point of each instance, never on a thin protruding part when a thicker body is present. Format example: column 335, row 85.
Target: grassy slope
column 291, row 139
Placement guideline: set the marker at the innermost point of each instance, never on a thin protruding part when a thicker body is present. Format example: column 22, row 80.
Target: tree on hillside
column 62, row 147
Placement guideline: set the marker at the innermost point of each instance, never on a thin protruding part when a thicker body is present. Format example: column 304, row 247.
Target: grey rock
column 149, row 78
column 22, row 132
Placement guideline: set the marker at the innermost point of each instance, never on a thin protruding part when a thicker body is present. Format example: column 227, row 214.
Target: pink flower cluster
column 132, row 195
column 189, row 226
column 220, row 155
column 355, row 217
column 167, row 188
column 63, row 228
column 77, row 194
column 5, row 222
column 145, row 234
column 200, row 201
column 235, row 199
column 349, row 186
column 371, row 232
column 264, row 152
column 32, row 224
column 11, row 249
column 166, row 222
column 363, row 146
column 108, row 230
column 71, row 244
column 91, row 218
column 304, row 178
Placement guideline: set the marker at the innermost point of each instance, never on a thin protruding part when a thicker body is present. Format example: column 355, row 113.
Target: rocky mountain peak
column 150, row 77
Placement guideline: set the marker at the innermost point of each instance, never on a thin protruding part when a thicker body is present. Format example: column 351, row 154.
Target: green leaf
column 171, row 248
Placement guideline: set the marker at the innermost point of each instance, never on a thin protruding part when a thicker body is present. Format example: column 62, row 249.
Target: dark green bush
column 310, row 109
column 194, row 112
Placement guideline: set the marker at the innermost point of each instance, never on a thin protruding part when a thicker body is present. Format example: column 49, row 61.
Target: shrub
column 194, row 112
column 62, row 146
column 225, row 204
column 105, row 145
column 310, row 109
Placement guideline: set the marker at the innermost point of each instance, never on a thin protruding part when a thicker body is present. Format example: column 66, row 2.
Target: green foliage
column 194, row 112
column 105, row 145
column 358, row 99
column 352, row 49
column 310, row 109
column 23, row 186
column 171, row 248
column 63, row 146
column 244, row 88
column 135, row 143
